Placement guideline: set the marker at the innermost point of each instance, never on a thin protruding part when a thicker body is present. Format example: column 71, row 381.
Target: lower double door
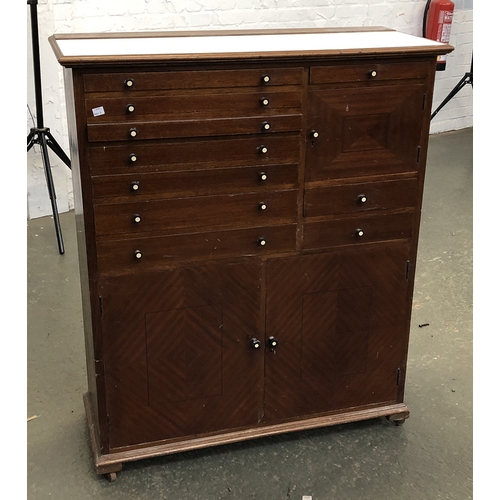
column 187, row 352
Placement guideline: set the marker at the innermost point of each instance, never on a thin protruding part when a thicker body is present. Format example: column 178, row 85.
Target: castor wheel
column 111, row 476
column 398, row 419
column 399, row 422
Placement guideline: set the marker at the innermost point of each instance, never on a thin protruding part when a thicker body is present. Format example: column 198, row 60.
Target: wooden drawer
column 180, row 155
column 165, row 80
column 341, row 232
column 360, row 197
column 140, row 186
column 120, row 255
column 368, row 71
column 166, row 129
column 202, row 212
column 188, row 105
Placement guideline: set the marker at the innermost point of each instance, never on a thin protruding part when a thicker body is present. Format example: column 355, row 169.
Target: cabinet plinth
column 247, row 225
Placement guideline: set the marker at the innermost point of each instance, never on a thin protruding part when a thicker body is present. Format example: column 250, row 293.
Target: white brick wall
column 77, row 16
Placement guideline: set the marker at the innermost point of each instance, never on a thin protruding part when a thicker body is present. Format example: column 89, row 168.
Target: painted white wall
column 79, row 16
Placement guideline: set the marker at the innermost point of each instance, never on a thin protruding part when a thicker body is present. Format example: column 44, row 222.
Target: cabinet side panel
column 73, row 91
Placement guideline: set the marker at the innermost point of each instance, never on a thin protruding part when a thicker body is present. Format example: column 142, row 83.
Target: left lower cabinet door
column 178, row 353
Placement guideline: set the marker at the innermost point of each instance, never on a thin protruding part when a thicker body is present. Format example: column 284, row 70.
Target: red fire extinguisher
column 438, row 16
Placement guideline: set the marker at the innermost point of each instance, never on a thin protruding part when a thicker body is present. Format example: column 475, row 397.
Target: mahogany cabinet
column 247, row 208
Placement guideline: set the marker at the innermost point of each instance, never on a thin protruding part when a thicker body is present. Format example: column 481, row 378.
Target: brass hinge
column 100, row 306
column 407, row 270
column 398, row 376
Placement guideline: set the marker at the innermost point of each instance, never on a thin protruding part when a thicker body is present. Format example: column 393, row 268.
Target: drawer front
column 121, row 255
column 140, row 186
column 179, row 155
column 204, row 211
column 166, row 129
column 368, row 72
column 341, row 232
column 193, row 105
column 360, row 197
column 166, row 80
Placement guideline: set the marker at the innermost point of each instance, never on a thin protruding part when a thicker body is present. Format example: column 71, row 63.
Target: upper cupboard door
column 364, row 130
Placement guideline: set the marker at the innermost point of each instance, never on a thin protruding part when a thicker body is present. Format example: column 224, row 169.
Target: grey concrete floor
column 429, row 457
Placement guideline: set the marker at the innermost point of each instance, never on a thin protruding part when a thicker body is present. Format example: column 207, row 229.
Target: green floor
column 429, row 457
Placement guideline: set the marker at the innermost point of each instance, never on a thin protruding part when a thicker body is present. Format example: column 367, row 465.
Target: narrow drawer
column 166, row 80
column 357, row 230
column 199, row 212
column 121, row 255
column 137, row 157
column 360, row 197
column 167, row 129
column 368, row 71
column 149, row 186
column 198, row 105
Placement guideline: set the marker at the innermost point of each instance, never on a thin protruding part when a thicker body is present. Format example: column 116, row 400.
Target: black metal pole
column 36, row 62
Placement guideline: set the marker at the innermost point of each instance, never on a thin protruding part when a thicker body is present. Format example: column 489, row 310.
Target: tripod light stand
column 40, row 134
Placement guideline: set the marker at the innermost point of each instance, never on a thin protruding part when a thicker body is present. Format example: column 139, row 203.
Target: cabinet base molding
column 111, row 463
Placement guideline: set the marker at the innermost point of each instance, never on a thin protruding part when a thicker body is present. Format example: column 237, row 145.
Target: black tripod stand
column 466, row 79
column 41, row 135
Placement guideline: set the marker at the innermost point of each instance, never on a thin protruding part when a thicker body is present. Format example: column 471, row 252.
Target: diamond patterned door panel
column 342, row 321
column 364, row 130
column 177, row 352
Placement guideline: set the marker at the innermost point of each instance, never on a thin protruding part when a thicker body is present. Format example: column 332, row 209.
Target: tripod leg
column 52, row 192
column 455, row 91
column 52, row 143
column 31, row 140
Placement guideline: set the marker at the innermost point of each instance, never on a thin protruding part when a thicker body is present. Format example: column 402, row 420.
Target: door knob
column 273, row 342
column 255, row 343
column 138, row 254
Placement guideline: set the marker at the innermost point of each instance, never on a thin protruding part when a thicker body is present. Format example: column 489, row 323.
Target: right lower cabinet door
column 341, row 324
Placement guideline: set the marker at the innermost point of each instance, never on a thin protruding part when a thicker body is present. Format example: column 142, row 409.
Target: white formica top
column 233, row 44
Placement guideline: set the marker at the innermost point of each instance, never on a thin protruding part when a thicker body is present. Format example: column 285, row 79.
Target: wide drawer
column 368, row 71
column 144, row 253
column 148, row 186
column 357, row 230
column 228, row 211
column 194, row 154
column 166, row 80
column 167, row 129
column 198, row 105
column 360, row 197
